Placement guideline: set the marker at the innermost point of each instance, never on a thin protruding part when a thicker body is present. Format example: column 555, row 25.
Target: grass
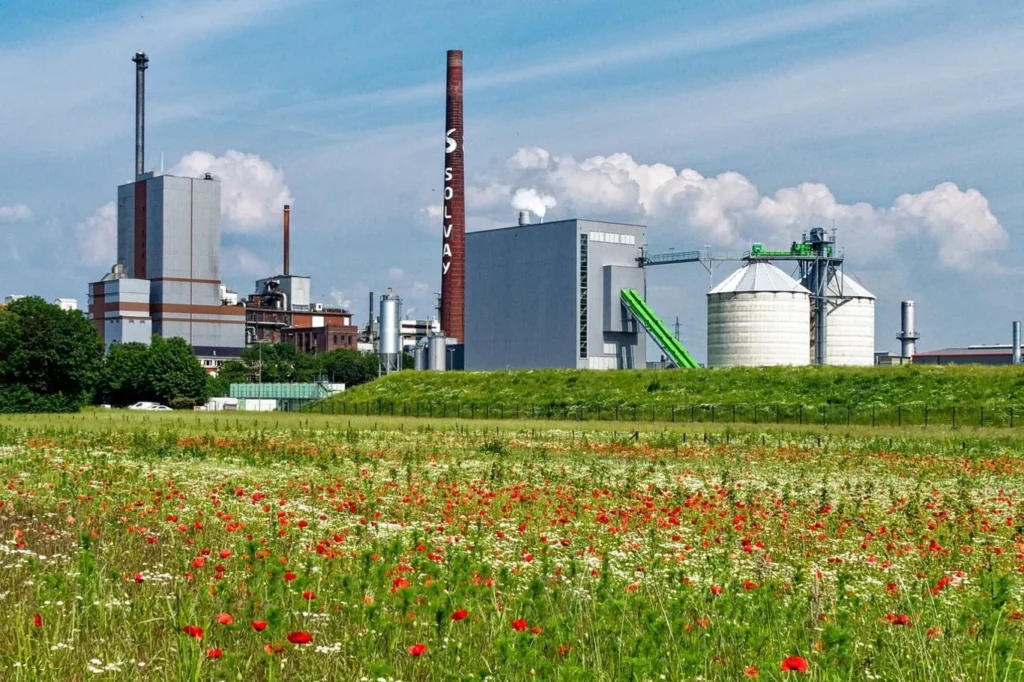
column 577, row 552
column 900, row 396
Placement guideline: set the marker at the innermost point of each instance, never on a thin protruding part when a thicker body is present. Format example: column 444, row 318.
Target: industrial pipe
column 141, row 64
column 287, row 238
column 1016, row 343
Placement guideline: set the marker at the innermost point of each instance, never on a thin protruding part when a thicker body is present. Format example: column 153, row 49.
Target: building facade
column 548, row 295
column 321, row 339
column 999, row 354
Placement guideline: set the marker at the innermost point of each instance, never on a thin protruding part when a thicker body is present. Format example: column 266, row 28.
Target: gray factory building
column 548, row 295
column 168, row 236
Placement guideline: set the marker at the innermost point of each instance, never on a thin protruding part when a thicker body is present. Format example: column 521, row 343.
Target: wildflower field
column 328, row 552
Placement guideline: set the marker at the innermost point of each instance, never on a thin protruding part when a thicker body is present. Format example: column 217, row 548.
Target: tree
column 126, row 375
column 175, row 376
column 50, row 358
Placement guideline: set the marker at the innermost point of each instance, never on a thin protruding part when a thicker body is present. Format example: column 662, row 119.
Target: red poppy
column 536, row 630
column 417, row 649
column 795, row 664
column 225, row 554
column 289, row 576
column 309, row 594
column 139, row 578
column 750, row 585
column 273, row 648
column 225, row 619
column 751, row 672
column 564, row 649
column 259, row 625
column 460, row 614
column 716, row 589
column 519, row 624
column 300, row 637
column 193, row 631
column 37, row 620
column 214, row 653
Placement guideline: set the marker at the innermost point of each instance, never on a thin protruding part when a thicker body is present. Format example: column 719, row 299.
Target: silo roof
column 759, row 276
column 851, row 288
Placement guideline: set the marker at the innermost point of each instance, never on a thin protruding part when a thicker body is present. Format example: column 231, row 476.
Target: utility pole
column 676, row 325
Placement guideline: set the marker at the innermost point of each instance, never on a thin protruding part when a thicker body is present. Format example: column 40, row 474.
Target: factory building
column 549, row 295
column 167, row 277
column 997, row 354
column 758, row 316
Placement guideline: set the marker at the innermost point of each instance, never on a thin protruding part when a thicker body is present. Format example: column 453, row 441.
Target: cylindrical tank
column 908, row 335
column 421, row 356
column 851, row 323
column 390, row 327
column 758, row 316
column 438, row 353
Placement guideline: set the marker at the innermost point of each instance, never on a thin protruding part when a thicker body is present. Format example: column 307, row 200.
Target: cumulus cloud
column 728, row 210
column 97, row 236
column 15, row 213
column 253, row 190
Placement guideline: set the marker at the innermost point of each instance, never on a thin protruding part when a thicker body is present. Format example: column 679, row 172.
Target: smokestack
column 524, row 217
column 141, row 64
column 369, row 323
column 1016, row 343
column 287, row 238
column 909, row 336
column 453, row 242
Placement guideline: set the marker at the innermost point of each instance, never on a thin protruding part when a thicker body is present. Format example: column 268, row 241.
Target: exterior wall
column 126, row 227
column 521, row 297
column 119, row 309
column 758, row 329
column 851, row 333
column 965, row 359
column 619, row 246
column 321, row 339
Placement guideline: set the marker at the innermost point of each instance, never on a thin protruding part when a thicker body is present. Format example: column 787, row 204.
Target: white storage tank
column 758, row 316
column 438, row 353
column 851, row 323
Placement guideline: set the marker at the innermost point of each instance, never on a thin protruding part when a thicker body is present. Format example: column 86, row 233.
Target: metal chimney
column 369, row 321
column 287, row 239
column 524, row 217
column 141, row 64
column 453, row 243
column 1016, row 343
column 909, row 336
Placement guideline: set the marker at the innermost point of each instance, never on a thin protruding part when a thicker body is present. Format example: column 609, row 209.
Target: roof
column 967, row 352
column 851, row 287
column 758, row 276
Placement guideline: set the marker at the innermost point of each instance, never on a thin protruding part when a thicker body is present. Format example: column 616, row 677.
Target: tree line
column 52, row 360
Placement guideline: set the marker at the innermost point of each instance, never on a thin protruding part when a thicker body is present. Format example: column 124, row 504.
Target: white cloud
column 97, row 236
column 396, row 274
column 253, row 190
column 728, row 210
column 241, row 261
column 15, row 213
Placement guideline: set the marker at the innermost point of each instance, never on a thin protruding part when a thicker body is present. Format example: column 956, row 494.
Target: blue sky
column 877, row 116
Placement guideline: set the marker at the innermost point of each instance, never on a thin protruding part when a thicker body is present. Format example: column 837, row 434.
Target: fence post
column 899, row 415
column 755, row 414
column 472, row 411
column 693, row 415
column 654, row 413
column 847, row 415
column 712, row 414
column 734, row 413
column 954, row 416
column 801, row 414
column 598, row 418
column 674, row 413
column 616, row 413
column 872, row 415
column 487, row 411
column 1011, row 417
column 983, row 416
column 776, row 414
column 823, row 416
column 392, row 408
column 581, row 412
column 926, row 415
column 634, row 411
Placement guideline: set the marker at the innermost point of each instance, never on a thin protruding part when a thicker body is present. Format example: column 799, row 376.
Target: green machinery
column 658, row 330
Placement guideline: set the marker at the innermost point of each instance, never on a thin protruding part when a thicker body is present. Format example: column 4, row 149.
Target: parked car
column 148, row 406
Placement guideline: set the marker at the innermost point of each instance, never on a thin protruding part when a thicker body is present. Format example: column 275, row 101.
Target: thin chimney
column 453, row 242
column 141, row 64
column 287, row 239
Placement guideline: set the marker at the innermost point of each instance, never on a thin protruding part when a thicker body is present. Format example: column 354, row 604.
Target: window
column 584, row 267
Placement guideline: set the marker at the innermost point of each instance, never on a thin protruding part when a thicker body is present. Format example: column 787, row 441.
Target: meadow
column 290, row 547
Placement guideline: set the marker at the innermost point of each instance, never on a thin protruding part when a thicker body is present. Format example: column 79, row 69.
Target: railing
column 915, row 415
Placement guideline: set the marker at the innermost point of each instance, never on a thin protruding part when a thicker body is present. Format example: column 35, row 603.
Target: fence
column 897, row 415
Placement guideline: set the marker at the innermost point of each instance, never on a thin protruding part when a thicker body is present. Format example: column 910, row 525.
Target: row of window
column 613, row 238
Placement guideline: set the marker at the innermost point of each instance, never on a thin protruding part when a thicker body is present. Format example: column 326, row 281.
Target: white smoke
column 253, row 190
column 533, row 201
column 728, row 210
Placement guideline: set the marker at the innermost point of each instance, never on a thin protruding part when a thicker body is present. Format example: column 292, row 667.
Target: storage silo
column 389, row 344
column 758, row 316
column 851, row 323
column 438, row 353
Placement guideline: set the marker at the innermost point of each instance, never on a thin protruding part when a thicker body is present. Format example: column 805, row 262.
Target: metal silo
column 421, row 356
column 438, row 352
column 851, row 323
column 389, row 345
column 758, row 316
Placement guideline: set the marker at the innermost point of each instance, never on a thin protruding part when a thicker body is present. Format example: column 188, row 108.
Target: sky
column 896, row 122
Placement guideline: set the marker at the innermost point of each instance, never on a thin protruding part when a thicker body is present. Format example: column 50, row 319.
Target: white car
column 148, row 406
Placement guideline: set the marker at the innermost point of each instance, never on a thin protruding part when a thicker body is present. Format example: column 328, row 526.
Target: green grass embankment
column 860, row 395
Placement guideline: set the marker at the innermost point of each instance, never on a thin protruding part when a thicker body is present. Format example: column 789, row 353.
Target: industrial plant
column 565, row 294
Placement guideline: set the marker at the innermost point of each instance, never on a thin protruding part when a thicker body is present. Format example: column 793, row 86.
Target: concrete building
column 119, row 308
column 548, row 295
column 321, row 339
column 281, row 311
column 412, row 331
